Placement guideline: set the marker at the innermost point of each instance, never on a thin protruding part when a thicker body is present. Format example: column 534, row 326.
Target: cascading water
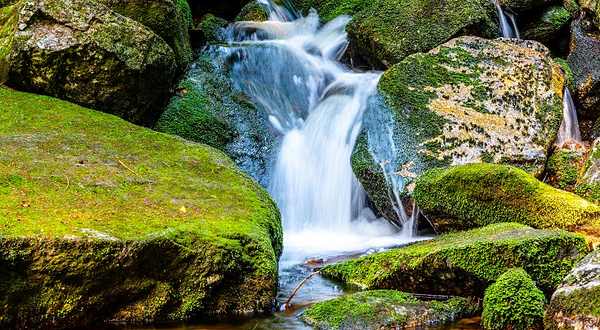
column 289, row 67
column 569, row 127
column 508, row 23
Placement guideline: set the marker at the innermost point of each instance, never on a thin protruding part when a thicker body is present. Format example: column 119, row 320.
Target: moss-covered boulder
column 465, row 263
column 564, row 167
column 513, row 302
column 384, row 309
column 584, row 60
column 475, row 195
column 208, row 109
column 252, row 11
column 576, row 302
column 102, row 220
column 170, row 19
column 521, row 5
column 388, row 31
column 470, row 100
column 550, row 26
column 83, row 52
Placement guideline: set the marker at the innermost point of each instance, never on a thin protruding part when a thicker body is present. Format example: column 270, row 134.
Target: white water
column 289, row 66
column 508, row 23
column 569, row 127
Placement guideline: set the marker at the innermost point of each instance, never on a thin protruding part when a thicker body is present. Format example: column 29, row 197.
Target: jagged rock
column 384, row 309
column 550, row 27
column 576, row 302
column 513, row 302
column 470, row 100
column 103, row 220
column 170, row 19
column 208, row 109
column 589, row 184
column 83, row 52
column 474, row 195
column 592, row 7
column 408, row 27
column 465, row 263
column 584, row 60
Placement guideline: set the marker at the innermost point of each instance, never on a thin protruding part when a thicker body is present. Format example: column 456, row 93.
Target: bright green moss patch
column 513, row 302
column 474, row 195
column 99, row 216
column 465, row 263
column 252, row 11
column 384, row 309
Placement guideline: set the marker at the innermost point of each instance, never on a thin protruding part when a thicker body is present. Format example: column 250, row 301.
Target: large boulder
column 103, row 220
column 465, row 263
column 550, row 26
column 387, row 31
column 576, row 302
column 470, row 100
column 474, row 195
column 170, row 19
column 384, row 309
column 513, row 302
column 209, row 109
column 83, row 52
column 584, row 60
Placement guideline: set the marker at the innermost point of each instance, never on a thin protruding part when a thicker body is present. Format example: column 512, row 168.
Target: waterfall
column 289, row 68
column 508, row 23
column 569, row 127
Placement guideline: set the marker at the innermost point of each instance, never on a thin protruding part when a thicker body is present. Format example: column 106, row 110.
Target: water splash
column 508, row 23
column 569, row 127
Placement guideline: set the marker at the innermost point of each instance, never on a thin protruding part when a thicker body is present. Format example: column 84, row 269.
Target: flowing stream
column 569, row 127
column 508, row 23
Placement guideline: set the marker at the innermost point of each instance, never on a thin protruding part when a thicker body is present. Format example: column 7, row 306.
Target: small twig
column 68, row 182
column 287, row 303
column 127, row 167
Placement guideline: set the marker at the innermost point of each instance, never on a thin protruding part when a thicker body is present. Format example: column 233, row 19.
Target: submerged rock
column 105, row 221
column 513, row 302
column 465, row 263
column 470, row 100
column 83, row 52
column 208, row 109
column 384, row 309
column 474, row 195
column 584, row 60
column 576, row 302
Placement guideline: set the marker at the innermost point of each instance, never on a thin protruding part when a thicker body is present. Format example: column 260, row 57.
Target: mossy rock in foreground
column 104, row 220
column 384, row 309
column 465, row 263
column 475, row 195
column 576, row 302
column 513, row 302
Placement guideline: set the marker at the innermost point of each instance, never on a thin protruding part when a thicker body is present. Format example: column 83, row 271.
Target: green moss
column 212, row 27
column 513, row 302
column 474, row 195
column 252, row 11
column 563, row 168
column 465, row 263
column 383, row 309
column 570, row 78
column 101, row 215
column 556, row 16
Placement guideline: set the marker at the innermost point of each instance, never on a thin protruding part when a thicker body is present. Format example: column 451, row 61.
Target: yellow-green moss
column 513, row 302
column 474, row 195
column 465, row 263
column 379, row 309
column 99, row 216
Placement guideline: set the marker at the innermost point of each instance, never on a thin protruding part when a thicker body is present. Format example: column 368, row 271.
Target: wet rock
column 384, row 309
column 513, row 302
column 408, row 27
column 474, row 195
column 584, row 60
column 465, row 263
column 227, row 9
column 169, row 19
column 521, row 5
column 564, row 166
column 83, row 52
column 470, row 100
column 252, row 12
column 576, row 302
column 550, row 27
column 105, row 221
column 208, row 109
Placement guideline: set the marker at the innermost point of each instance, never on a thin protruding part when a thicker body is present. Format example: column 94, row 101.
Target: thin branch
column 127, row 167
column 287, row 303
